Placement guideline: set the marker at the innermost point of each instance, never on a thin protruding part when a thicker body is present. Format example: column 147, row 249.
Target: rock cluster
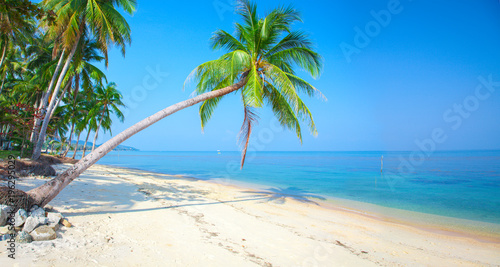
column 36, row 225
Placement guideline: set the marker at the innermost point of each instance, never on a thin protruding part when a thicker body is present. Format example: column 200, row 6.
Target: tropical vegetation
column 48, row 73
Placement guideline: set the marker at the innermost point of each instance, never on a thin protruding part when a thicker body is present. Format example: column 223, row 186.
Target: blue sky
column 391, row 81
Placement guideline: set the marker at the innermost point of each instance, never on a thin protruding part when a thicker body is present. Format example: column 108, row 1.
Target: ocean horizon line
column 441, row 150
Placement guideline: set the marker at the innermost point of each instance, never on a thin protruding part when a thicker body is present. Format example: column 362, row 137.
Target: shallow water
column 461, row 184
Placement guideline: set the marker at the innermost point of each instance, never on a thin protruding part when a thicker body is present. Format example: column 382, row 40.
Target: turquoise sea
column 460, row 184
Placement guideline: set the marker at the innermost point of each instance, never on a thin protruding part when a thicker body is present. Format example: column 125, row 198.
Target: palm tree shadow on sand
column 280, row 195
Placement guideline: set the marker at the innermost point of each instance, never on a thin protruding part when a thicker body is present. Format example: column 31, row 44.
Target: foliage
column 265, row 51
column 32, row 39
column 16, row 123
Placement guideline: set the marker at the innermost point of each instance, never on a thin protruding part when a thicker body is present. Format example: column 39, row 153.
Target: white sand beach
column 125, row 217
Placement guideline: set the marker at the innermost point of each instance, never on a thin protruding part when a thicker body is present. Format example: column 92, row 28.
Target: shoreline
column 490, row 232
column 131, row 216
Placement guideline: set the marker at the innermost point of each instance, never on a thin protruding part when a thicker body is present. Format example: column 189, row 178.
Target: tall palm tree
column 109, row 101
column 72, row 113
column 260, row 64
column 265, row 50
column 90, row 120
column 76, row 18
column 86, row 74
column 80, row 126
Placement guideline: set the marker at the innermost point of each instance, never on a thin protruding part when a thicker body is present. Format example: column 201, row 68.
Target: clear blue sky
column 384, row 95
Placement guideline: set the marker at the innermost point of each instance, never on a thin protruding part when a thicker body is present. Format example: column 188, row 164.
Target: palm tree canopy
column 100, row 17
column 16, row 20
column 265, row 51
column 108, row 101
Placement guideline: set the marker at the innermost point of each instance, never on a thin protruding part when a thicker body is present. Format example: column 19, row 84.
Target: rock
column 20, row 217
column 4, row 215
column 66, row 223
column 39, row 212
column 6, row 230
column 33, row 222
column 43, row 233
column 48, row 207
column 23, row 237
column 5, row 237
column 54, row 217
column 54, row 226
column 34, row 207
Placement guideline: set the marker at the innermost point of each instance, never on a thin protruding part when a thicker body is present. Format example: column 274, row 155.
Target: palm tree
column 76, row 18
column 90, row 120
column 72, row 112
column 109, row 101
column 261, row 63
column 16, row 23
column 84, row 108
column 258, row 53
column 59, row 128
column 88, row 74
column 42, row 62
column 80, row 127
column 12, row 67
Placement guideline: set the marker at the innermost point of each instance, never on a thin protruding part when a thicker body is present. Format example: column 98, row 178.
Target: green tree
column 90, row 120
column 86, row 74
column 260, row 64
column 109, row 101
column 75, row 18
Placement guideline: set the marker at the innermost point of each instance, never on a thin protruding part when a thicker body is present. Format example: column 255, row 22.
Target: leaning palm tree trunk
column 48, row 191
column 45, row 100
column 68, row 85
column 37, row 150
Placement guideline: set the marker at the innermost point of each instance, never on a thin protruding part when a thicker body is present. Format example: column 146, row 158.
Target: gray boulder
column 43, row 233
column 34, row 207
column 33, row 222
column 23, row 237
column 20, row 217
column 54, row 217
column 39, row 212
column 4, row 214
